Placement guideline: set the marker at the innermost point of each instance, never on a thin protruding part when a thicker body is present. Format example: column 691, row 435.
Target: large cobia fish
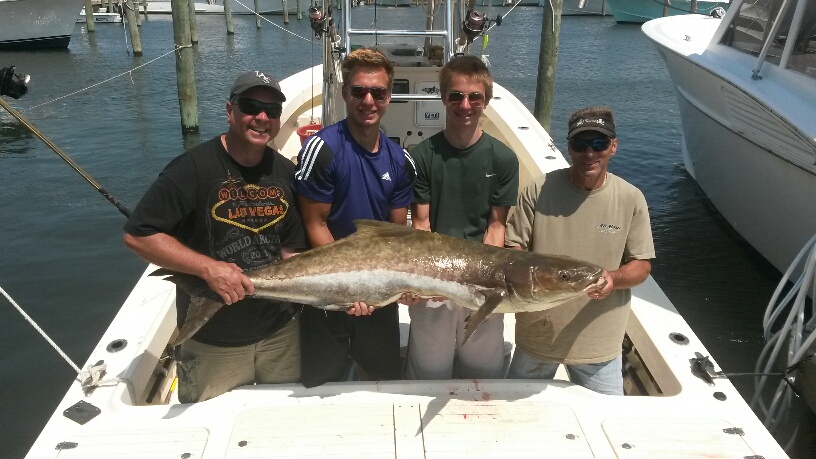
column 381, row 261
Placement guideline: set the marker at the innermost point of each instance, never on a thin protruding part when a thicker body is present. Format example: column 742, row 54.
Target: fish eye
column 564, row 275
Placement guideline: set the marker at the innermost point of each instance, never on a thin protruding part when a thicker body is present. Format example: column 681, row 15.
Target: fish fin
column 164, row 272
column 201, row 310
column 475, row 318
column 204, row 303
column 381, row 229
column 192, row 285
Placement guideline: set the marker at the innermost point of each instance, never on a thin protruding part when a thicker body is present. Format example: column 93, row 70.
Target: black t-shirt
column 232, row 213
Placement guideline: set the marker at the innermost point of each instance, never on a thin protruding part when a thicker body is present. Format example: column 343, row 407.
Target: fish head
column 538, row 278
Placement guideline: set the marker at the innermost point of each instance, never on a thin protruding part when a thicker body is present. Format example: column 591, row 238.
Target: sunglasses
column 581, row 145
column 473, row 97
column 377, row 92
column 253, row 107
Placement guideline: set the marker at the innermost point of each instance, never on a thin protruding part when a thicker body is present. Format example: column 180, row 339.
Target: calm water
column 61, row 256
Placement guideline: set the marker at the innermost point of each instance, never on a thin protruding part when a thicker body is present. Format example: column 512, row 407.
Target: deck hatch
column 674, row 438
column 135, row 443
column 493, row 429
column 412, row 430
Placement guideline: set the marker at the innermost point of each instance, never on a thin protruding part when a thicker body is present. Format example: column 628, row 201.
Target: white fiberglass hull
column 99, row 17
column 749, row 144
column 584, row 7
column 37, row 24
column 639, row 11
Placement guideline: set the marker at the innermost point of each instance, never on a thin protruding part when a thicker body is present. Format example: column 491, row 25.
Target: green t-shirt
column 461, row 185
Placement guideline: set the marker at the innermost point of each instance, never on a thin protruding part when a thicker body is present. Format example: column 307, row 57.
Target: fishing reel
column 13, row 84
column 718, row 12
column 317, row 21
column 477, row 23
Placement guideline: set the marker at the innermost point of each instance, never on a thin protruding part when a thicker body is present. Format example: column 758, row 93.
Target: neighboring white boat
column 638, row 11
column 100, row 17
column 583, row 7
column 37, row 24
column 163, row 7
column 237, row 7
column 746, row 89
column 673, row 407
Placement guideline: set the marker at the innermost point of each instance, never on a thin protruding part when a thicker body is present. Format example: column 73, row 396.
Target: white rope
column 267, row 20
column 129, row 72
column 91, row 376
column 40, row 330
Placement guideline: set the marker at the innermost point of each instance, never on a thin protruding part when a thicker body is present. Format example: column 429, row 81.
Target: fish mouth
column 593, row 280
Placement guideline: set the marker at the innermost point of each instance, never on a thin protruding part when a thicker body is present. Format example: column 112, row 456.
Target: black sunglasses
column 253, row 107
column 581, row 145
column 377, row 92
column 473, row 97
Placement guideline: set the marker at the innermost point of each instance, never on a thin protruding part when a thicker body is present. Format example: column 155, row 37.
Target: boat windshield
column 753, row 26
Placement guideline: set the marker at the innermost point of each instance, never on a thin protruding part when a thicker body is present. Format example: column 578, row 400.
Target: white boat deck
column 408, row 419
column 437, row 419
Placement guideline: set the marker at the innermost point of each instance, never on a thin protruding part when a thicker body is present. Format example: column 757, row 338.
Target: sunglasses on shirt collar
column 597, row 145
column 253, row 107
column 377, row 92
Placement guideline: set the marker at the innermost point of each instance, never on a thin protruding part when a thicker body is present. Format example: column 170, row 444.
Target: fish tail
column 201, row 310
column 204, row 303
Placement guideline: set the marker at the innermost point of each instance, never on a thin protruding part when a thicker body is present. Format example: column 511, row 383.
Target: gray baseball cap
column 249, row 80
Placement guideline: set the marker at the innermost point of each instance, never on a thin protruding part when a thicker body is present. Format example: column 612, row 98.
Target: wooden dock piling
column 228, row 17
column 257, row 17
column 193, row 22
column 547, row 60
column 135, row 40
column 185, row 70
column 90, row 23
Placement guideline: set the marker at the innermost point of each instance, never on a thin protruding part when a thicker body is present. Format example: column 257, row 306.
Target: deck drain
column 117, row 345
column 678, row 338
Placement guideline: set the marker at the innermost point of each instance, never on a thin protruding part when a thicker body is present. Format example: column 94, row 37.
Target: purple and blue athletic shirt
column 333, row 168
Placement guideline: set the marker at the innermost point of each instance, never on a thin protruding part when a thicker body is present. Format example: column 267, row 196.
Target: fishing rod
column 14, row 85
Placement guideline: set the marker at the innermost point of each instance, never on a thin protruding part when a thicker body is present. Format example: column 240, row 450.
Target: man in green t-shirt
column 586, row 213
column 466, row 182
